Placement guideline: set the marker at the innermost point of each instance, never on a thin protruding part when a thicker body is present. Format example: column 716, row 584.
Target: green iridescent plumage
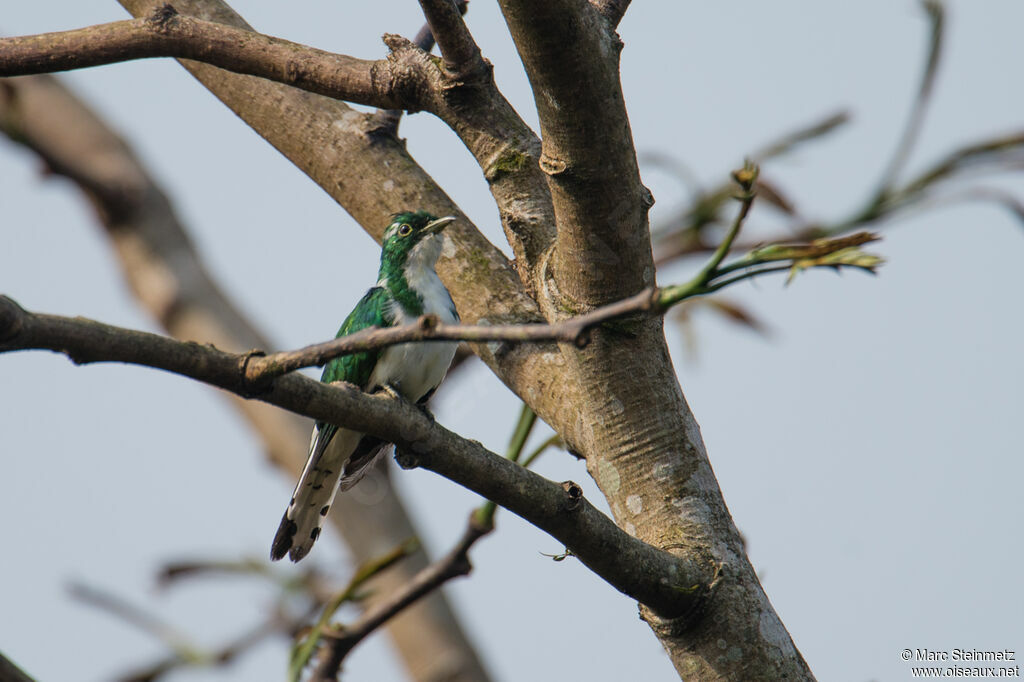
column 395, row 256
column 371, row 311
column 407, row 287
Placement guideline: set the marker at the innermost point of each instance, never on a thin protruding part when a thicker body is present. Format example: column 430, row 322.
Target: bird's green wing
column 371, row 311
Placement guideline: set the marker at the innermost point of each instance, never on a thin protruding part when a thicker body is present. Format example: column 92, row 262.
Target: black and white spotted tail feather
column 336, row 462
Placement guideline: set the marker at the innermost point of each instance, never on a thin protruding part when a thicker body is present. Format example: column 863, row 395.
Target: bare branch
column 165, row 33
column 387, row 120
column 261, row 368
column 915, row 121
column 669, row 585
column 457, row 46
column 343, row 639
column 10, row 672
column 611, row 10
column 184, row 654
column 599, row 202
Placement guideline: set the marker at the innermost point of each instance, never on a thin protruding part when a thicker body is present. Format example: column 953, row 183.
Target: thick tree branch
column 636, row 414
column 10, row 672
column 165, row 33
column 387, row 120
column 449, row 30
column 611, row 10
column 603, row 250
column 668, row 585
column 614, row 401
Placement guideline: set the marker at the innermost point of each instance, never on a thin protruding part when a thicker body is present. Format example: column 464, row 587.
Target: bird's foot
column 389, row 390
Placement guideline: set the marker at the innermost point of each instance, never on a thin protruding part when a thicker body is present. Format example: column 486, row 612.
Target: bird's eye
column 404, row 229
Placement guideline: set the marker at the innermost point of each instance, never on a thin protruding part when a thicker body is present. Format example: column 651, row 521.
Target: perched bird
column 407, row 287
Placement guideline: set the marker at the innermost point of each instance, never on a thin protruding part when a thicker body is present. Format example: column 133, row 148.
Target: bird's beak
column 436, row 226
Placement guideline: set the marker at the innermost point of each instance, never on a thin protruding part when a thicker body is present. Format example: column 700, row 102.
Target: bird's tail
column 314, row 493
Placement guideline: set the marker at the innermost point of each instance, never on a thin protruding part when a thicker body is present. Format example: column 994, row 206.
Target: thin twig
column 340, row 642
column 256, row 371
column 746, row 178
column 259, row 369
column 524, row 426
column 303, row 650
column 147, row 622
column 915, row 121
column 553, row 441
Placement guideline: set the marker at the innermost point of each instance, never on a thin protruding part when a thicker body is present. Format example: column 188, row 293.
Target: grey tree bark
column 576, row 215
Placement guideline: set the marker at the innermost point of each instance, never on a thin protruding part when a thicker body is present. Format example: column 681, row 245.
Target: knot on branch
column 397, row 43
column 428, row 323
column 404, row 74
column 253, row 377
column 646, row 197
column 406, row 458
column 573, row 495
column 162, row 17
column 457, row 80
column 676, row 625
column 583, row 338
column 552, row 165
column 10, row 318
column 296, row 71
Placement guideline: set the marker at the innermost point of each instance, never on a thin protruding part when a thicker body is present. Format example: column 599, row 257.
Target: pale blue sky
column 869, row 449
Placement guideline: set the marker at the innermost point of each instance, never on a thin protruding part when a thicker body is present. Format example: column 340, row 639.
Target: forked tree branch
column 670, row 586
column 599, row 202
column 465, row 97
column 340, row 641
column 388, row 119
column 449, row 30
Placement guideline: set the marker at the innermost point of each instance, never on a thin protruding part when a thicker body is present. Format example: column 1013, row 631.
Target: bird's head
column 413, row 239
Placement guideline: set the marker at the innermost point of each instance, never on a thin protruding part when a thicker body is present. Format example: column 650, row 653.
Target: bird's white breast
column 415, row 369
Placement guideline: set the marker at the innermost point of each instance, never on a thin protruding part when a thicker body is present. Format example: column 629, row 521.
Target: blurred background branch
column 165, row 272
column 691, row 230
column 695, row 228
